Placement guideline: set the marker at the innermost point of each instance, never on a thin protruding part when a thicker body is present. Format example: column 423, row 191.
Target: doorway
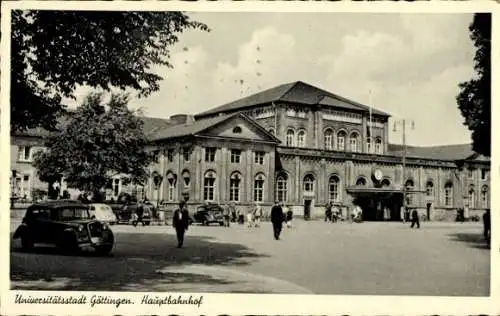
column 428, row 211
column 307, row 209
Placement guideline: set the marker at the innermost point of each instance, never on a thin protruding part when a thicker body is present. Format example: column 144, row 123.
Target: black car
column 125, row 213
column 66, row 224
column 209, row 214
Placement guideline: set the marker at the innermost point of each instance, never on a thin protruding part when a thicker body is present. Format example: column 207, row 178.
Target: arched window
column 309, row 184
column 237, row 130
column 361, row 181
column 386, row 183
column 282, row 188
column 234, row 187
column 333, row 189
column 484, row 197
column 271, row 131
column 328, row 139
column 354, row 142
column 341, row 140
column 429, row 188
column 209, row 186
column 378, row 146
column 369, row 145
column 258, row 188
column 409, row 186
column 472, row 197
column 301, row 138
column 171, row 184
column 187, row 178
column 290, row 138
column 448, row 194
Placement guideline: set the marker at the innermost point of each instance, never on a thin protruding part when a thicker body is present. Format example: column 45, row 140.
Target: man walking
column 181, row 223
column 139, row 213
column 277, row 219
column 257, row 214
column 227, row 216
column 328, row 212
column 414, row 219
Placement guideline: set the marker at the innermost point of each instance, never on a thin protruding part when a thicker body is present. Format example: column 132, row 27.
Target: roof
column 444, row 152
column 198, row 126
column 296, row 92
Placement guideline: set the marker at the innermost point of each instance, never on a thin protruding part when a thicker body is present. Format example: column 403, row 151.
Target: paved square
column 314, row 257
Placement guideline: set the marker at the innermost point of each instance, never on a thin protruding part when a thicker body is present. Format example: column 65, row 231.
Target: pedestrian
column 335, row 213
column 227, row 215
column 328, row 212
column 487, row 226
column 232, row 208
column 181, row 223
column 289, row 217
column 139, row 213
column 277, row 219
column 415, row 219
column 249, row 218
column 257, row 214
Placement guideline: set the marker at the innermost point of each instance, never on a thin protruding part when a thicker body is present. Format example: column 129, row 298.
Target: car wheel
column 27, row 242
column 69, row 244
column 205, row 222
column 104, row 250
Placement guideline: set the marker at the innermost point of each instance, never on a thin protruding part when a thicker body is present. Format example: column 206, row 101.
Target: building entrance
column 307, row 209
column 379, row 206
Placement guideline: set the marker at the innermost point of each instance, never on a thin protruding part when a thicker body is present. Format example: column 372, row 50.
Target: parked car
column 66, row 224
column 209, row 214
column 103, row 213
column 127, row 213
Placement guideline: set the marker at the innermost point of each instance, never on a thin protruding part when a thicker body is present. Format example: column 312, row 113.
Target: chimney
column 179, row 119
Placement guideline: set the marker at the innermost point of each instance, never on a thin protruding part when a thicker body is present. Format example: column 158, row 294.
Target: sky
column 408, row 65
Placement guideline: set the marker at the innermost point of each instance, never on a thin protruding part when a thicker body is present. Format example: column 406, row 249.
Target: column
column 386, row 137
column 178, row 184
column 221, row 174
column 421, row 186
column 281, row 122
column 363, row 133
column 197, row 181
column 249, row 178
column 272, row 176
column 298, row 180
column 322, row 183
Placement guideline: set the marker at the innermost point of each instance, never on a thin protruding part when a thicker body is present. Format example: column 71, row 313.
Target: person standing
column 328, row 212
column 227, row 215
column 249, row 218
column 257, row 214
column 487, row 226
column 289, row 217
column 181, row 223
column 335, row 213
column 414, row 219
column 277, row 219
column 140, row 213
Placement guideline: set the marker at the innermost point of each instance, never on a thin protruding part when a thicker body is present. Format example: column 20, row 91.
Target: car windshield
column 72, row 213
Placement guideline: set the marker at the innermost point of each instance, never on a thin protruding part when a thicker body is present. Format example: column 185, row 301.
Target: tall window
column 448, row 194
column 290, row 138
column 484, row 197
column 24, row 153
column 234, row 187
column 258, row 188
column 409, row 185
column 378, row 146
column 429, row 188
column 309, row 184
column 210, row 154
column 301, row 138
column 361, row 181
column 328, row 139
column 354, row 142
column 470, row 173
column 281, row 188
column 187, row 178
column 333, row 189
column 368, row 145
column 170, row 155
column 186, row 152
column 341, row 140
column 484, row 174
column 235, row 155
column 209, row 186
column 259, row 157
column 472, row 197
column 171, row 183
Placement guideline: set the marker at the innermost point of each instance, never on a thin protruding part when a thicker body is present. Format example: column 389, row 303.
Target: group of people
column 332, row 213
column 253, row 217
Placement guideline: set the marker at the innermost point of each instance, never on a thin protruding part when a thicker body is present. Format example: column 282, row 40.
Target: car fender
column 20, row 230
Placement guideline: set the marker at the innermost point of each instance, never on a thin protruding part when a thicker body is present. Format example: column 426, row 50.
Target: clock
column 378, row 175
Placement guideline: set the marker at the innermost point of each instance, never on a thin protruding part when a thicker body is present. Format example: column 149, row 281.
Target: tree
column 97, row 141
column 474, row 99
column 52, row 52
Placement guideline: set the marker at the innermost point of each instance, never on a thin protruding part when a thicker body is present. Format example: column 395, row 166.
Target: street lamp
column 402, row 124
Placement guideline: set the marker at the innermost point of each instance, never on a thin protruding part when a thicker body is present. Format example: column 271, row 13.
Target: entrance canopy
column 362, row 190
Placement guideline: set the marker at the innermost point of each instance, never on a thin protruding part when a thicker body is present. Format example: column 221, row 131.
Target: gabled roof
column 201, row 125
column 295, row 92
column 445, row 152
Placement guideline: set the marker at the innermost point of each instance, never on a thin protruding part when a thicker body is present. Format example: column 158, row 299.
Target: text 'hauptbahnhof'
column 297, row 144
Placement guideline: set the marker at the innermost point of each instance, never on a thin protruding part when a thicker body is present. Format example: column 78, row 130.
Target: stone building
column 305, row 147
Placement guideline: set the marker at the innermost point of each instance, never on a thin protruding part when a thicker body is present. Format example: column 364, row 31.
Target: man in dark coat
column 277, row 218
column 414, row 219
column 487, row 225
column 181, row 222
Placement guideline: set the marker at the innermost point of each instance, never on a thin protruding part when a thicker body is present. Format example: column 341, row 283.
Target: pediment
column 239, row 127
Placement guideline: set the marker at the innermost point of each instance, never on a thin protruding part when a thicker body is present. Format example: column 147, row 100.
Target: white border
column 253, row 303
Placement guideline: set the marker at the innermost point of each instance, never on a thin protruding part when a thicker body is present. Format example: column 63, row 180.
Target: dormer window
column 237, row 130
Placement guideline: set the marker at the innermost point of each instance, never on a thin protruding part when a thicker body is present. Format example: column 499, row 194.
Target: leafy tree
column 97, row 141
column 474, row 99
column 53, row 52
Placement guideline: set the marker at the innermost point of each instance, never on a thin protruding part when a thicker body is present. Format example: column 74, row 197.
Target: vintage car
column 209, row 214
column 66, row 224
column 126, row 213
column 103, row 213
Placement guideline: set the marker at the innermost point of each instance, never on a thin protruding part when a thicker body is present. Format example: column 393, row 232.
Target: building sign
column 378, row 175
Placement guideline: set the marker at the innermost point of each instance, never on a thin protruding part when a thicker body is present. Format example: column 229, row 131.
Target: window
column 484, row 197
column 187, row 178
column 471, row 198
column 155, row 155
column 409, row 185
column 234, row 187
column 353, row 142
column 171, row 184
column 361, row 181
column 301, row 139
column 333, row 189
column 282, row 188
column 484, row 174
column 116, row 187
column 235, row 155
column 24, row 153
column 328, row 139
column 210, row 154
column 271, row 131
column 448, row 194
column 290, row 138
column 186, row 153
column 368, row 145
column 378, row 146
column 309, row 184
column 209, row 186
column 258, row 193
column 341, row 140
column 470, row 173
column 170, row 155
column 259, row 157
column 26, row 178
column 429, row 188
column 237, row 130
column 386, row 183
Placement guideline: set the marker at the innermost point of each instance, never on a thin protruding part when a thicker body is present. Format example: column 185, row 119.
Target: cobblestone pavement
column 313, row 257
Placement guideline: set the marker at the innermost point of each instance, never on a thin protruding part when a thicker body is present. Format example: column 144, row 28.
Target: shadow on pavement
column 133, row 265
column 474, row 240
